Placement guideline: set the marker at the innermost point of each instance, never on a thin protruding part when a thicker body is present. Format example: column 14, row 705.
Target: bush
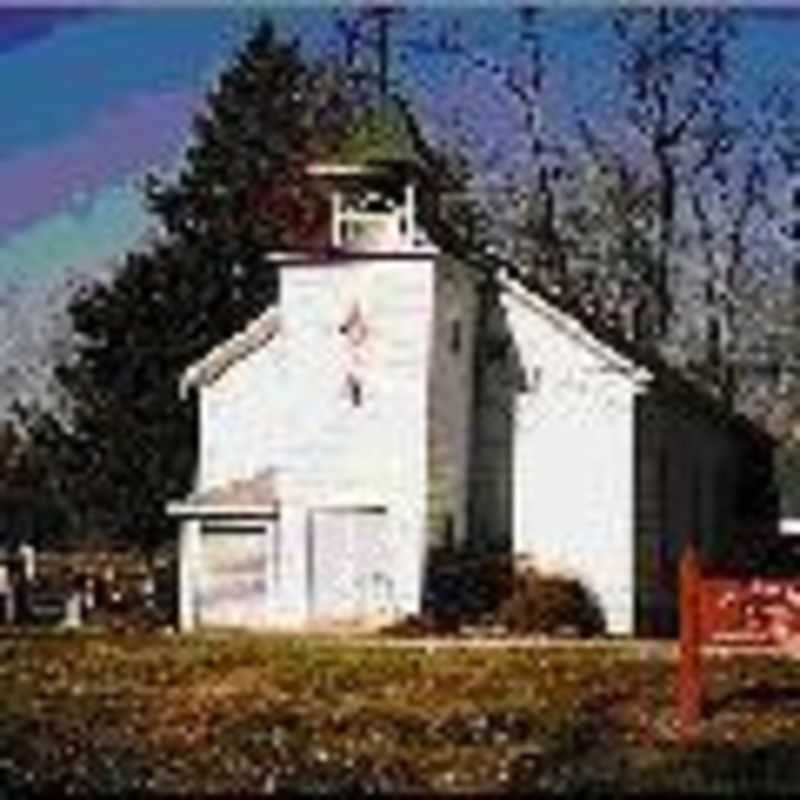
column 551, row 604
column 420, row 625
column 464, row 587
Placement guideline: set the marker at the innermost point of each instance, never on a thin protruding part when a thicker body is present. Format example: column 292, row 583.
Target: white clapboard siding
column 572, row 460
column 378, row 445
column 241, row 418
column 352, row 576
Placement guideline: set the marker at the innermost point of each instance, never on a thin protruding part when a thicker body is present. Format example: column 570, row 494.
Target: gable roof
column 643, row 364
column 668, row 379
column 611, row 356
column 254, row 335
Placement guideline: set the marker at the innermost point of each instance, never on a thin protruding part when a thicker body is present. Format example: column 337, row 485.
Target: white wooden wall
column 573, row 448
column 241, row 418
column 286, row 406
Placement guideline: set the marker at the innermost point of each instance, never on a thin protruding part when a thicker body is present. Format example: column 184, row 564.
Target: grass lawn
column 222, row 713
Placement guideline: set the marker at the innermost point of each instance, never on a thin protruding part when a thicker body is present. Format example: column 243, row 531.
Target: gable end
column 258, row 332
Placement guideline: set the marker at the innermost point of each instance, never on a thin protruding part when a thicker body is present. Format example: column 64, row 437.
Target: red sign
column 714, row 610
column 751, row 611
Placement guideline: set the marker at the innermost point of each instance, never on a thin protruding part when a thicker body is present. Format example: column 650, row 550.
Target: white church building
column 394, row 401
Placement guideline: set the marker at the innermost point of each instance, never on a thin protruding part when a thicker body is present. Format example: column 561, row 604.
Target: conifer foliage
column 126, row 444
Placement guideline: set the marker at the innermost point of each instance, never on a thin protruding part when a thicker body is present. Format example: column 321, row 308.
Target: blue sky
column 92, row 102
column 93, row 99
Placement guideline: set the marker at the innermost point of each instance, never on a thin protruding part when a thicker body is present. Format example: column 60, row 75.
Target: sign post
column 689, row 675
column 752, row 610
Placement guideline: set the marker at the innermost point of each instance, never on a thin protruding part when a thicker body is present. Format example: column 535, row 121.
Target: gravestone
column 72, row 611
column 27, row 554
column 7, row 595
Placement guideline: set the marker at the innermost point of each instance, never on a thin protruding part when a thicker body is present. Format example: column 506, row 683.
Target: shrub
column 463, row 587
column 550, row 604
column 489, row 589
column 419, row 625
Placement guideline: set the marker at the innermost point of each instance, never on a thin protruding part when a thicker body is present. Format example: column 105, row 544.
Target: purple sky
column 92, row 100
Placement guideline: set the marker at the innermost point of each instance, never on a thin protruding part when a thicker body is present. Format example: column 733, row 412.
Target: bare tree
column 653, row 215
column 673, row 65
column 519, row 188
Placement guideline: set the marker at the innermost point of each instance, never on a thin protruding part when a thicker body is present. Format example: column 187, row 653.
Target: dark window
column 796, row 198
column 355, row 390
column 455, row 336
column 794, row 231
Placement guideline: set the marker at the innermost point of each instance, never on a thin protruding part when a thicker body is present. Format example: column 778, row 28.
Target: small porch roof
column 247, row 497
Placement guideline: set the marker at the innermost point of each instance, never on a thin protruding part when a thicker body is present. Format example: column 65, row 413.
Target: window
column 455, row 336
column 354, row 390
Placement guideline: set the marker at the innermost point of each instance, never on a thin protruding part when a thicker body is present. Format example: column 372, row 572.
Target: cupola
column 371, row 180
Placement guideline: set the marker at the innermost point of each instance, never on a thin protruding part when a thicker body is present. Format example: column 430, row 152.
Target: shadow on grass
column 761, row 696
column 705, row 769
column 770, row 767
column 593, row 753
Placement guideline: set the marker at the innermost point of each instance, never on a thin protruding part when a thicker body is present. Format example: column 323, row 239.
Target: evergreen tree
column 128, row 445
column 27, row 514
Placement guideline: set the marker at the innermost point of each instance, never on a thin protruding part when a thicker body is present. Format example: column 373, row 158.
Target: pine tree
column 128, row 445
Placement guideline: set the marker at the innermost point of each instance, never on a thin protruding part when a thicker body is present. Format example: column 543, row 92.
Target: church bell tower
column 372, row 184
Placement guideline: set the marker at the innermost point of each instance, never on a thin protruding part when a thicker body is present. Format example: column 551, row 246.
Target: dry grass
column 248, row 713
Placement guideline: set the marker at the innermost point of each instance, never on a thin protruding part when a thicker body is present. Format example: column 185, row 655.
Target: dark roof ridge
column 670, row 377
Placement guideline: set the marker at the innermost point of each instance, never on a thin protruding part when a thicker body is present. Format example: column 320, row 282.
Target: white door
column 374, row 582
column 233, row 586
column 332, row 572
column 350, row 567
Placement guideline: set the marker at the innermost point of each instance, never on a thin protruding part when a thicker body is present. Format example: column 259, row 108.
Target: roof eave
column 220, row 358
column 183, row 509
column 575, row 329
column 309, row 257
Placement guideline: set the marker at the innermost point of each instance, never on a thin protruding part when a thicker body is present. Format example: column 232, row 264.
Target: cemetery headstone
column 72, row 611
column 27, row 554
column 7, row 594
